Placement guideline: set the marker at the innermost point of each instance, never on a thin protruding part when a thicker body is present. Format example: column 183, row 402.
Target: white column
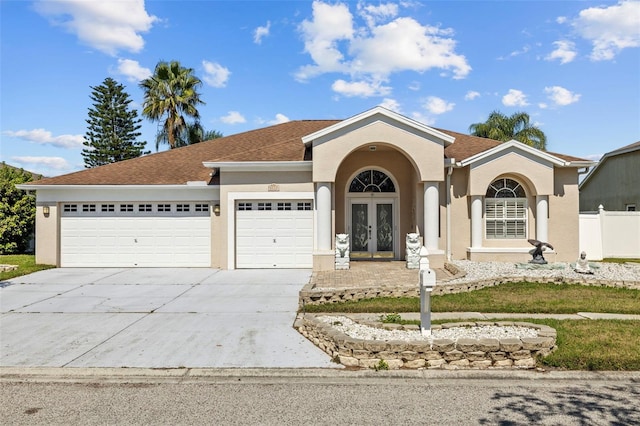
column 542, row 215
column 476, row 221
column 323, row 215
column 431, row 215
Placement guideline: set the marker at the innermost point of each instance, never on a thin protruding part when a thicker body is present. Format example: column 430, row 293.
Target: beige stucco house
column 276, row 197
column 614, row 183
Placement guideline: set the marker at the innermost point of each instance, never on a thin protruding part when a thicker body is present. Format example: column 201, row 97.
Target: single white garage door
column 274, row 234
column 135, row 234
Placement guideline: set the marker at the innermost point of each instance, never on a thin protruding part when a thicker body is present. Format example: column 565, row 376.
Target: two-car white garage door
column 135, row 234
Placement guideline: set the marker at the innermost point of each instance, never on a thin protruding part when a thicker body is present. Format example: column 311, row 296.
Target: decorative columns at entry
column 542, row 218
column 323, row 209
column 431, row 215
column 476, row 221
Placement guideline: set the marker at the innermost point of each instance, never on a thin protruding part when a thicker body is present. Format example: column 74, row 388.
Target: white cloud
column 363, row 89
column 44, row 137
column 215, row 74
column 132, row 70
column 424, row 119
column 391, row 104
column 330, row 24
column 471, row 95
column 233, row 117
column 53, row 163
column 280, row 118
column 385, row 44
column 261, row 32
column 522, row 51
column 437, row 105
column 610, row 29
column 561, row 19
column 543, row 105
column 414, row 85
column 561, row 96
column 373, row 14
column 515, row 98
column 405, row 44
column 108, row 26
column 565, row 51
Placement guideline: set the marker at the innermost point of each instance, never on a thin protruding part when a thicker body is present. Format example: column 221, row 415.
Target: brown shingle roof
column 466, row 146
column 282, row 142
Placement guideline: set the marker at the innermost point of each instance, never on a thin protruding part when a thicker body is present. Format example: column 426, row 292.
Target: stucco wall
column 537, row 174
column 47, row 233
column 460, row 214
column 563, row 211
column 614, row 184
column 564, row 223
column 328, row 154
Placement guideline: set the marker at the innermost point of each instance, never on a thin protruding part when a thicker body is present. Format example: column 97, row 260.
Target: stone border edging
column 310, row 296
column 518, row 353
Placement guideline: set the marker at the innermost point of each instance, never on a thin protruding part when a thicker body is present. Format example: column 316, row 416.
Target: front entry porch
column 368, row 274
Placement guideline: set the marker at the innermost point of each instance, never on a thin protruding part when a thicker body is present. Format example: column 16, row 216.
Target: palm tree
column 171, row 94
column 517, row 126
column 191, row 134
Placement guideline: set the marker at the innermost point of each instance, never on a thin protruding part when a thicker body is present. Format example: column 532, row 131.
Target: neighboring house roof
column 620, row 151
column 281, row 142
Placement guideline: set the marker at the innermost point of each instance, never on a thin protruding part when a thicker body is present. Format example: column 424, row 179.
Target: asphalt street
column 271, row 397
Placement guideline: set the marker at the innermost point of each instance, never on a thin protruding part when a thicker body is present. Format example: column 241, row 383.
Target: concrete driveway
column 155, row 317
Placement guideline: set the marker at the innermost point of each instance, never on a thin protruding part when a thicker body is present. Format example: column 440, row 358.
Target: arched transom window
column 505, row 209
column 372, row 181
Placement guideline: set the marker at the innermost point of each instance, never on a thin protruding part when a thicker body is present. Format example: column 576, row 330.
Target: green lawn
column 601, row 345
column 507, row 298
column 594, row 345
column 26, row 265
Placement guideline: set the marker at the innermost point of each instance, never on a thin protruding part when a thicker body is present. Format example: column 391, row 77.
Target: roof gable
column 513, row 145
column 374, row 115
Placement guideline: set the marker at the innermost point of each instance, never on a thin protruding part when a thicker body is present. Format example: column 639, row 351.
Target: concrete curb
column 192, row 375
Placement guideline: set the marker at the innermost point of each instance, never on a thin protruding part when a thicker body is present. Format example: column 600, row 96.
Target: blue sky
column 574, row 66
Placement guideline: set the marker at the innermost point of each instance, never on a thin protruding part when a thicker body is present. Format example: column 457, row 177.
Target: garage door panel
column 274, row 238
column 136, row 241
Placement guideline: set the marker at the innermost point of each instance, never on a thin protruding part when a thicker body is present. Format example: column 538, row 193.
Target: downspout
column 452, row 161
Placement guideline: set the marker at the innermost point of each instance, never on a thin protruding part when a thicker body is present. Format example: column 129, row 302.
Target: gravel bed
column 602, row 271
column 359, row 331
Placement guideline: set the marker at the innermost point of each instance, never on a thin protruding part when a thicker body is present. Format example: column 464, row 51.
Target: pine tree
column 113, row 127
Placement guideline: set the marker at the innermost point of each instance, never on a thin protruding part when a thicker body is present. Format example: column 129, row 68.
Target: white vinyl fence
column 610, row 234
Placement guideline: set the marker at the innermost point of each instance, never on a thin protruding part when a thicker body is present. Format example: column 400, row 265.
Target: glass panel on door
column 360, row 230
column 372, row 229
column 384, row 230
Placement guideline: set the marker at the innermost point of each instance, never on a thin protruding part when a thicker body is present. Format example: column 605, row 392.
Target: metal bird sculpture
column 537, row 253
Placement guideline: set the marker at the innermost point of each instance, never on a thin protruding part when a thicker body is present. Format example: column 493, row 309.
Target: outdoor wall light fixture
column 45, row 211
column 216, row 209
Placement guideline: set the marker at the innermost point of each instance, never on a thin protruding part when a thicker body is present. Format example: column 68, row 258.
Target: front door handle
column 369, row 231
